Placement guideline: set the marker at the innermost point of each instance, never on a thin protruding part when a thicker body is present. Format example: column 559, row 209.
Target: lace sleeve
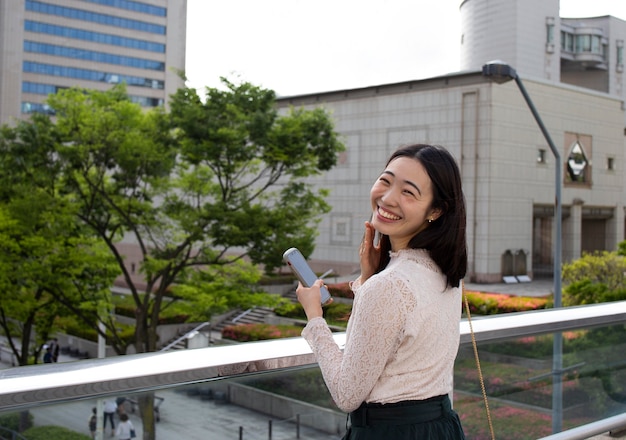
column 374, row 334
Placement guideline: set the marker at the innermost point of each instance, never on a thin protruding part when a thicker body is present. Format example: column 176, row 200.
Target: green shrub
column 53, row 432
column 340, row 290
column 594, row 278
column 335, row 313
column 72, row 326
column 259, row 332
column 12, row 421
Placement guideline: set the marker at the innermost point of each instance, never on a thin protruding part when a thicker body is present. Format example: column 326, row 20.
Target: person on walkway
column 54, row 349
column 395, row 373
column 125, row 428
column 110, row 409
column 47, row 356
column 93, row 422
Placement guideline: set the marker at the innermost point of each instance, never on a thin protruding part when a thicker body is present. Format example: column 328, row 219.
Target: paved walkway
column 186, row 417
column 538, row 287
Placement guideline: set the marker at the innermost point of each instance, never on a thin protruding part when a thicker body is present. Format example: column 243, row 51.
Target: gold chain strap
column 480, row 373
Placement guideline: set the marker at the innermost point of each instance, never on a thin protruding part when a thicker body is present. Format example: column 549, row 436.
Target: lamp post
column 501, row 72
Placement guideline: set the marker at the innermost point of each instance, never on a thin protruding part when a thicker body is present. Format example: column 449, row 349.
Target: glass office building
column 46, row 46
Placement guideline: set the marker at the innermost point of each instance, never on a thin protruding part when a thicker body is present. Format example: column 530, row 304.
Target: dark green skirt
column 430, row 419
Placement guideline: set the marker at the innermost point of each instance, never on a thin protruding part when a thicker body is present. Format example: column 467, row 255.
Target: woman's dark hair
column 444, row 238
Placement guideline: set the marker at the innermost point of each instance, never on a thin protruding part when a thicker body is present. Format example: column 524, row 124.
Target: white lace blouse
column 402, row 337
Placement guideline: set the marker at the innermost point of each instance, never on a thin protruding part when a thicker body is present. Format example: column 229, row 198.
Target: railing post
column 269, row 429
column 241, row 433
column 297, row 426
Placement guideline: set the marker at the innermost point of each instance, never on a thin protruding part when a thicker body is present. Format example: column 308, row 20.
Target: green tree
column 48, row 260
column 199, row 190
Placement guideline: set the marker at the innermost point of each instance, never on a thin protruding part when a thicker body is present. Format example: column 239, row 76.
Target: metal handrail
column 586, row 431
column 241, row 315
column 193, row 331
column 43, row 384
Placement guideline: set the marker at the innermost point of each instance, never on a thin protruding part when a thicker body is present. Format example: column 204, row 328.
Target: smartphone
column 295, row 260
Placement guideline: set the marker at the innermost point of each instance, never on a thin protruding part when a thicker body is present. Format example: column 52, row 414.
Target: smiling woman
column 394, row 375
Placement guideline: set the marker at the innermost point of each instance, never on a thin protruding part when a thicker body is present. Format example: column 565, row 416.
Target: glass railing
column 273, row 389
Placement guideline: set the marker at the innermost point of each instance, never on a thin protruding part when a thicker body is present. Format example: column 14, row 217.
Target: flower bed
column 259, row 332
column 495, row 303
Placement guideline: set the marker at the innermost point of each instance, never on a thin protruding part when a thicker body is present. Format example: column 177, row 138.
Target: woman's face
column 401, row 201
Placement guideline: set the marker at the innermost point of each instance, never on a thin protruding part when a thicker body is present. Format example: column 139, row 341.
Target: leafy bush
column 259, row 332
column 170, row 314
column 72, row 326
column 12, row 421
column 341, row 290
column 53, row 432
column 335, row 313
column 594, row 278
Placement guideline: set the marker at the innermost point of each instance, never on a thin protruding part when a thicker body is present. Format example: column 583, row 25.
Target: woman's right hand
column 369, row 253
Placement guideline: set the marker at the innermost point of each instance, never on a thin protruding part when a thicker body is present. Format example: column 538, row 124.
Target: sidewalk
column 536, row 288
column 181, row 416
column 186, row 417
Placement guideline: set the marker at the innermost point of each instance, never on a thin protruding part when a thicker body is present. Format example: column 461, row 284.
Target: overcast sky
column 305, row 46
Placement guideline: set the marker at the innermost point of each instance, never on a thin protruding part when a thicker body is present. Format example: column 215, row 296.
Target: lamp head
column 499, row 71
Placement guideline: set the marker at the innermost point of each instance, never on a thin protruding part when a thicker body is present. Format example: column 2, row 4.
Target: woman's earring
column 430, row 220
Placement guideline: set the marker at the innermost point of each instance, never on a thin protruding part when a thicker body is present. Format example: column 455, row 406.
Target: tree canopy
column 207, row 191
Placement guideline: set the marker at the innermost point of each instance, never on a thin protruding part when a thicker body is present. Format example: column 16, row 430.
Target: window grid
column 79, row 14
column 90, row 75
column 96, row 37
column 132, row 6
column 88, row 55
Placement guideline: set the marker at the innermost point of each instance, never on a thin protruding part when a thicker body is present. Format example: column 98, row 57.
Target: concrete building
column 50, row 45
column 572, row 69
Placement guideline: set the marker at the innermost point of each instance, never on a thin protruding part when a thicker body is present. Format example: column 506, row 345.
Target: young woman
column 395, row 372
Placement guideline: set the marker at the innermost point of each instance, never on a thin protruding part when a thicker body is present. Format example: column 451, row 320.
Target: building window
column 550, row 34
column 340, row 229
column 619, row 56
column 610, row 163
column 97, row 37
column 567, row 42
column 550, row 30
column 541, row 155
column 132, row 6
column 91, row 75
column 577, row 164
column 88, row 16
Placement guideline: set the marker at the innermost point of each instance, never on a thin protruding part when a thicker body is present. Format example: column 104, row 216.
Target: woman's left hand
column 310, row 298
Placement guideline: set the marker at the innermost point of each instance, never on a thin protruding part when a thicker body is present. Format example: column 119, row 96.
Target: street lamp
column 501, row 72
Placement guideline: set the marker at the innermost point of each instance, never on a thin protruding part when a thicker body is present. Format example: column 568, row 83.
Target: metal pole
column 100, row 403
column 298, row 426
column 557, row 360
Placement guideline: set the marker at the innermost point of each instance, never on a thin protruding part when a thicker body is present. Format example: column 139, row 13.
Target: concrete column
column 615, row 229
column 576, row 219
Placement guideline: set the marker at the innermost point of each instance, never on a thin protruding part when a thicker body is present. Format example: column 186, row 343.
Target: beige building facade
column 573, row 70
column 49, row 45
column 507, row 167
